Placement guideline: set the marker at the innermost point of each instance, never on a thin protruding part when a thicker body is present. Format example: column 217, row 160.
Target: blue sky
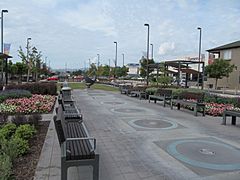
column 73, row 31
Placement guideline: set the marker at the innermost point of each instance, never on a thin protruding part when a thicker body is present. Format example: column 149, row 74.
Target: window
column 227, row 54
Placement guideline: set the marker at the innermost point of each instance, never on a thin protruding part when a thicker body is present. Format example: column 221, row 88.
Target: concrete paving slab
column 128, row 153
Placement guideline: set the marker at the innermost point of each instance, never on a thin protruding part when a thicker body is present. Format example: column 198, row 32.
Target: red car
column 53, row 78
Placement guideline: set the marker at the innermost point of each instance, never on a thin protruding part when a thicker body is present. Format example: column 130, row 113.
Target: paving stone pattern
column 131, row 153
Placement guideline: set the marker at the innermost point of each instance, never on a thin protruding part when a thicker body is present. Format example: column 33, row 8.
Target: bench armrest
column 84, row 138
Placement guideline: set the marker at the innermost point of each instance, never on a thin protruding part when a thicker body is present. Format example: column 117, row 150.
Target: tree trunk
column 28, row 74
column 216, row 81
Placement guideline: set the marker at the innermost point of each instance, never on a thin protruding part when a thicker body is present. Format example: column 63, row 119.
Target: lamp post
column 147, row 52
column 98, row 60
column 3, row 11
column 123, row 58
column 115, row 42
column 28, row 63
column 152, row 50
column 109, row 63
column 199, row 56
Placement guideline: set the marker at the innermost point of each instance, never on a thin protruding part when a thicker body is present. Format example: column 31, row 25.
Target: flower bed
column 35, row 104
column 215, row 109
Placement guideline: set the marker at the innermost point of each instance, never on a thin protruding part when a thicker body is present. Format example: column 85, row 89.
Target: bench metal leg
column 233, row 120
column 203, row 111
column 195, row 111
column 178, row 106
column 171, row 105
column 224, row 119
column 164, row 102
column 64, row 170
column 96, row 168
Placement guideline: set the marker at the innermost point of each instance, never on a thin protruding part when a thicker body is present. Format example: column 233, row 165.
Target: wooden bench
column 77, row 147
column 71, row 112
column 232, row 113
column 191, row 99
column 125, row 89
column 138, row 91
column 161, row 95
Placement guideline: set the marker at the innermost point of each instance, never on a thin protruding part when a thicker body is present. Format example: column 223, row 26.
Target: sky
column 70, row 32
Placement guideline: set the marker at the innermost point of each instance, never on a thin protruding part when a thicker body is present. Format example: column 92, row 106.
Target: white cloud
column 90, row 17
column 166, row 48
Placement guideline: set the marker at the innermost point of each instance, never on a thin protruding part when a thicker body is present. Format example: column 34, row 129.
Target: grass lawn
column 80, row 85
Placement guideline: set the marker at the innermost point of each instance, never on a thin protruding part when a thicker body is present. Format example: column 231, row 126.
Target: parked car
column 53, row 78
column 181, row 83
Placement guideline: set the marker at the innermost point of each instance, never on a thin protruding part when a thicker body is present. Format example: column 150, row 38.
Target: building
column 133, row 69
column 229, row 52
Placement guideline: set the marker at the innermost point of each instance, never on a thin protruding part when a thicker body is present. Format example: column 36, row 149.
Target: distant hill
column 70, row 70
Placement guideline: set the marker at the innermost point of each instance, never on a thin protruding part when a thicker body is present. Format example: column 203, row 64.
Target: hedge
column 44, row 88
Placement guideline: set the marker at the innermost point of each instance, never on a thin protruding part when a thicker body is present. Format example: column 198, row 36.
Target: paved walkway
column 141, row 141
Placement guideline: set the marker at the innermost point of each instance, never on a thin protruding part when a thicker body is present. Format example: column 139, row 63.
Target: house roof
column 226, row 46
column 4, row 56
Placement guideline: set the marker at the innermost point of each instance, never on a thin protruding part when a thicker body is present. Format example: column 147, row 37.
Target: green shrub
column 177, row 92
column 25, row 131
column 221, row 100
column 5, row 167
column 165, row 80
column 8, row 130
column 19, row 145
column 9, row 148
column 14, row 94
column 47, row 88
column 151, row 90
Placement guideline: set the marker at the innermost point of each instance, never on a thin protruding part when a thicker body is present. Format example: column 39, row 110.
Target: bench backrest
column 59, row 128
column 61, row 102
column 127, row 86
column 164, row 92
column 199, row 97
column 139, row 88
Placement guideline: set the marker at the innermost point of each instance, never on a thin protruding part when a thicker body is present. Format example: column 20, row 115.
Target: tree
column 21, row 69
column 77, row 73
column 33, row 61
column 143, row 68
column 218, row 69
column 165, row 80
column 92, row 70
column 121, row 71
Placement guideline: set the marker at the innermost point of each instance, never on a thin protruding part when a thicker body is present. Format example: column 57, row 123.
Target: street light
column 123, row 58
column 147, row 52
column 3, row 11
column 115, row 60
column 98, row 60
column 199, row 56
column 28, row 63
column 152, row 50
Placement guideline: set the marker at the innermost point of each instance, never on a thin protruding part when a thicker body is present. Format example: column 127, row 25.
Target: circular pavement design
column 95, row 94
column 153, row 124
column 206, row 154
column 112, row 102
column 128, row 110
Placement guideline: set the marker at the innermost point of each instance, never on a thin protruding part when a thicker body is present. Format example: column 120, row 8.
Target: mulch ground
column 24, row 167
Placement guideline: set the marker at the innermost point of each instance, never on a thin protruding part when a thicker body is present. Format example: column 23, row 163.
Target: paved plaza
column 138, row 140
